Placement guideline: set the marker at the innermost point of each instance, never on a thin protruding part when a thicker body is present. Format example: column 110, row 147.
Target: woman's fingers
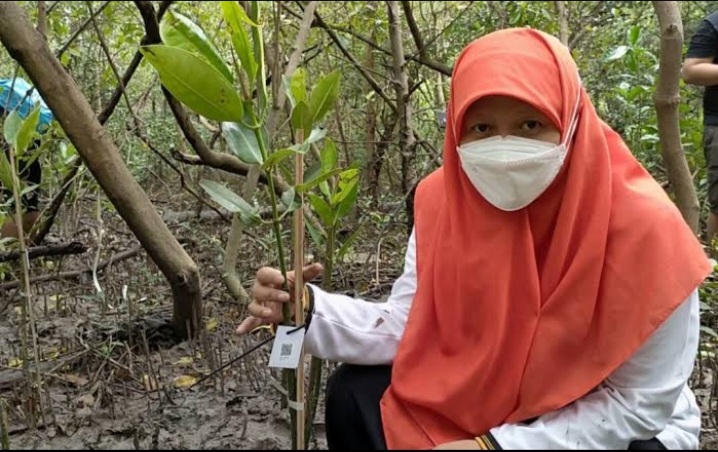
column 249, row 324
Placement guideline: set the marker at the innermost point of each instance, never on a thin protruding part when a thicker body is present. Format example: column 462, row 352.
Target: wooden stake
column 299, row 286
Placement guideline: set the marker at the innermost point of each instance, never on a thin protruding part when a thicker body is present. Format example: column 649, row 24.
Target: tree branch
column 82, row 28
column 77, row 273
column 63, row 249
column 373, row 83
column 207, row 156
column 578, row 37
column 414, row 28
column 102, row 118
column 419, row 59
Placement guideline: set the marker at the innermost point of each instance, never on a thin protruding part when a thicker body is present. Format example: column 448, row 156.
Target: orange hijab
column 520, row 313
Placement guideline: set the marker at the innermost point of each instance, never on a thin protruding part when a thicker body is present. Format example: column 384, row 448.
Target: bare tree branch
column 593, row 14
column 424, row 61
column 414, row 28
column 82, row 28
column 63, row 249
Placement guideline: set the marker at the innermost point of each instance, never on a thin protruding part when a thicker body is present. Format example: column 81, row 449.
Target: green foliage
column 178, row 31
column 195, row 82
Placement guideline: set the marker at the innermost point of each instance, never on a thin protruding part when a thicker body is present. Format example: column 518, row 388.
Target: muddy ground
column 109, row 380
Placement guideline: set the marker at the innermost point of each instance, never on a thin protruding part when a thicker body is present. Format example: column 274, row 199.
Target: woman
column 549, row 298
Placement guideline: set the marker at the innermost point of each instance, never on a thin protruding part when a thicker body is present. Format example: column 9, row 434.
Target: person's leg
column 710, row 149
column 651, row 444
column 353, row 417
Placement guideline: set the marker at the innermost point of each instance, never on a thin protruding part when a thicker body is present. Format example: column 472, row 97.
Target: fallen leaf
column 184, row 361
column 212, row 324
column 74, row 379
column 184, row 381
column 15, row 362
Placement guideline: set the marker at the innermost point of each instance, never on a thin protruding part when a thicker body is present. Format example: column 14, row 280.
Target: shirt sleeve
column 356, row 331
column 637, row 402
column 704, row 42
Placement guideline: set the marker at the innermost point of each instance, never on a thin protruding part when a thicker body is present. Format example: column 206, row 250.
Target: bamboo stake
column 299, row 286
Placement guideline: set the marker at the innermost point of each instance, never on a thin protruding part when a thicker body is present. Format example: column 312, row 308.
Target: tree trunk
column 103, row 159
column 406, row 133
column 666, row 100
column 564, row 32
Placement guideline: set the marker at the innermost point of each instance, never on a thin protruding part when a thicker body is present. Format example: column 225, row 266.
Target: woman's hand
column 268, row 296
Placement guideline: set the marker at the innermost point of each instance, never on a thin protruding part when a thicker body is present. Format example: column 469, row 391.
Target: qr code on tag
column 286, row 351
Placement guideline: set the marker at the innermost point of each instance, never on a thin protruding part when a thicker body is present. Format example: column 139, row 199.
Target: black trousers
column 353, row 417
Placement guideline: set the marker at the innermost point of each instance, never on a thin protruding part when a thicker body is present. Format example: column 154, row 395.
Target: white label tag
column 287, row 348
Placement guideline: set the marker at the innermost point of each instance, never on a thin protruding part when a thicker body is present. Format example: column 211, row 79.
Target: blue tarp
column 18, row 99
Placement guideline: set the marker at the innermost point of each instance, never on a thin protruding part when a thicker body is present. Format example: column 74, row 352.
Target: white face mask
column 512, row 172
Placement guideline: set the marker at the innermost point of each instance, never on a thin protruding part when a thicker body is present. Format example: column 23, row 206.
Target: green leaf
column 616, row 54
column 348, row 243
column 324, row 188
column 289, row 197
column 243, row 142
column 26, row 132
column 323, row 96
column 277, row 157
column 633, row 35
column 12, row 126
column 322, row 209
column 239, row 13
column 313, row 171
column 314, row 136
column 291, row 201
column 348, row 179
column 302, row 117
column 347, row 200
column 179, row 31
column 195, row 83
column 230, row 201
column 234, row 14
column 329, row 156
column 315, row 234
column 316, row 181
column 709, row 331
column 5, row 171
column 295, row 86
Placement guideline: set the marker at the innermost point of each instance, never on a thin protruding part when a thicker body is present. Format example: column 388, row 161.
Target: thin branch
column 103, row 117
column 77, row 273
column 373, row 83
column 63, row 249
column 229, row 164
column 576, row 38
column 414, row 28
column 424, row 61
column 51, row 7
column 81, row 29
column 445, row 69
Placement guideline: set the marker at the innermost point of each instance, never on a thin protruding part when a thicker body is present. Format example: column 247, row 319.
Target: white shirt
column 646, row 397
